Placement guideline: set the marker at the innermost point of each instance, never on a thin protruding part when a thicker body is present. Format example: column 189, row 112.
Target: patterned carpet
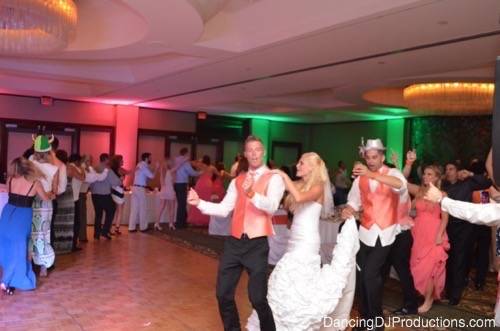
column 474, row 305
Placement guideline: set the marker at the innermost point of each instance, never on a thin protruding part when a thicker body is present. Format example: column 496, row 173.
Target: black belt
column 246, row 237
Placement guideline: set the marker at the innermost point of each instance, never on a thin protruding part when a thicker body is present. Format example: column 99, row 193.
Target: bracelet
column 250, row 194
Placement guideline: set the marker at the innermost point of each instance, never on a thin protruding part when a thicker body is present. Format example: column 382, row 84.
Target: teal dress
column 15, row 234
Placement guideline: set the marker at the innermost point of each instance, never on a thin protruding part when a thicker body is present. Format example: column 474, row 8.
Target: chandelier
column 451, row 98
column 31, row 27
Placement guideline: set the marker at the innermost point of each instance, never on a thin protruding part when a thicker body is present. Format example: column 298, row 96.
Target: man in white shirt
column 376, row 190
column 254, row 196
column 138, row 200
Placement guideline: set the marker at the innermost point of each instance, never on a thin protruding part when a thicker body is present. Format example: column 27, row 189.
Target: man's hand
column 347, row 212
column 464, row 174
column 433, row 194
column 394, row 157
column 360, row 170
column 193, row 199
column 248, row 183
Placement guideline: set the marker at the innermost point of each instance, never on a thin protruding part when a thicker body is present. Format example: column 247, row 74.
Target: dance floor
column 137, row 282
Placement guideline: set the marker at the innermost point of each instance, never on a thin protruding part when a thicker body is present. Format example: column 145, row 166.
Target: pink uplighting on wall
column 127, row 124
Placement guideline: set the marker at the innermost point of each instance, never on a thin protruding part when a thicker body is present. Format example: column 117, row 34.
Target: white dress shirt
column 268, row 203
column 487, row 213
column 369, row 236
column 142, row 174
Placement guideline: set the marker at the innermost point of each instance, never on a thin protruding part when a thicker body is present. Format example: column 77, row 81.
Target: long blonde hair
column 318, row 176
column 22, row 167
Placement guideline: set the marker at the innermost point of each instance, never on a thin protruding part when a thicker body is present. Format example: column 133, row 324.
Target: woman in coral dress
column 430, row 241
column 207, row 190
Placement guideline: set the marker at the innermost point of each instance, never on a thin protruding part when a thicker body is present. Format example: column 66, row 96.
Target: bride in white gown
column 302, row 293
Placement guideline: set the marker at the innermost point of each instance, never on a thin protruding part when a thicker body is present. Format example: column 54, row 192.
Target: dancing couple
column 301, row 292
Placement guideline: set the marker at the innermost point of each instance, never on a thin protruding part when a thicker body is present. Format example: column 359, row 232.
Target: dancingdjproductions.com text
column 415, row 322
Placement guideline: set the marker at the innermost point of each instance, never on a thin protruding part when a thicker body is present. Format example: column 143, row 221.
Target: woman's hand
column 279, row 172
column 193, row 199
column 439, row 239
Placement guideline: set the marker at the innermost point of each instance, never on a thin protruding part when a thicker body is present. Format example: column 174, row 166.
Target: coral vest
column 379, row 207
column 246, row 217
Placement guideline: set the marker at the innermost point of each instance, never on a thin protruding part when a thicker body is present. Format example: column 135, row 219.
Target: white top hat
column 371, row 144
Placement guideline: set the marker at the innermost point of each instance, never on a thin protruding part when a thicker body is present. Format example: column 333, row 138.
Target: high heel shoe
column 171, row 226
column 158, row 227
column 10, row 290
column 117, row 230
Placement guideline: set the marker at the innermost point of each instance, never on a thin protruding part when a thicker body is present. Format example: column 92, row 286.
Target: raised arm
column 390, row 180
column 314, row 194
column 221, row 209
column 411, row 157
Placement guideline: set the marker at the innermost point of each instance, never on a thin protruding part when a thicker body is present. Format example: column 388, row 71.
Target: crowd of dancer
column 397, row 225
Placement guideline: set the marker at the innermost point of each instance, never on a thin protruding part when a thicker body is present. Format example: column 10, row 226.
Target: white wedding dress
column 301, row 292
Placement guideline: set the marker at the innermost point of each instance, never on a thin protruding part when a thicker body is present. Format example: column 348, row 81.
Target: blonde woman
column 15, row 226
column 301, row 292
column 430, row 241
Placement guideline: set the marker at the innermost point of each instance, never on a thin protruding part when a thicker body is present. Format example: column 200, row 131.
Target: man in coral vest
column 254, row 195
column 376, row 190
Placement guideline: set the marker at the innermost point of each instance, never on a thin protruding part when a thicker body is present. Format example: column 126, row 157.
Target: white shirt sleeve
column 146, row 170
column 92, row 176
column 270, row 202
column 223, row 208
column 488, row 213
column 399, row 175
column 354, row 197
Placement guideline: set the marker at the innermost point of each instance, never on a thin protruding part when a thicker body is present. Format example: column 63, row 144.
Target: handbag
column 118, row 195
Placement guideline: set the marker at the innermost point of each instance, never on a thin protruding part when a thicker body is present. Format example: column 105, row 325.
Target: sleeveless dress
column 64, row 221
column 428, row 260
column 15, row 232
column 167, row 187
column 43, row 253
column 301, row 292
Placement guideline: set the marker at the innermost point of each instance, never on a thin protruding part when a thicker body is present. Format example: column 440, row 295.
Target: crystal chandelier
column 32, row 27
column 453, row 98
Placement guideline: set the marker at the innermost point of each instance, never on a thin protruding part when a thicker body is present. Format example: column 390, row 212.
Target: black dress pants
column 250, row 255
column 460, row 234
column 399, row 258
column 181, row 194
column 480, row 254
column 103, row 203
column 371, row 261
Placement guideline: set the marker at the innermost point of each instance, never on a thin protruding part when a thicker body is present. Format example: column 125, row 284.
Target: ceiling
column 290, row 60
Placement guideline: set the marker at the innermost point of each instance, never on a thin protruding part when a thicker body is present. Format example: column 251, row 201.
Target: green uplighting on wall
column 395, row 140
column 392, row 110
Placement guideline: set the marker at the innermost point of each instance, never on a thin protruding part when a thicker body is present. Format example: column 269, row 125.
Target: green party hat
column 42, row 144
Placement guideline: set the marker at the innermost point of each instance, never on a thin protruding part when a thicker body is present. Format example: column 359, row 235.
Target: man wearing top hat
column 376, row 191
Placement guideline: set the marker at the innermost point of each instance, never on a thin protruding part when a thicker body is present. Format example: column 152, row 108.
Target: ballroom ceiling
column 290, row 60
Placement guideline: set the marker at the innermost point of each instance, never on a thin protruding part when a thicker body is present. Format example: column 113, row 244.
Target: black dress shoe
column 76, row 249
column 96, row 237
column 107, row 236
column 479, row 287
column 132, row 230
column 405, row 311
column 453, row 302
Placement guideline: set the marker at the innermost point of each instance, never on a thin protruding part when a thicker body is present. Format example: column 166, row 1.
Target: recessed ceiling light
column 381, row 62
column 443, row 22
